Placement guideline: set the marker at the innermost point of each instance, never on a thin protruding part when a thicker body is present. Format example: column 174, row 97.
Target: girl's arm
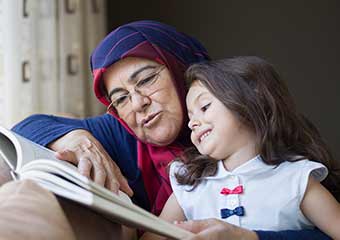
column 321, row 208
column 171, row 212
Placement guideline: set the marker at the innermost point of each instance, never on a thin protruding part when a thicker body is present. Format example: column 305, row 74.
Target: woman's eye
column 145, row 81
column 120, row 100
column 205, row 107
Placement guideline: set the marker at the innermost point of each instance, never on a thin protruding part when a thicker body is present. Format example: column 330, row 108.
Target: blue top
column 122, row 147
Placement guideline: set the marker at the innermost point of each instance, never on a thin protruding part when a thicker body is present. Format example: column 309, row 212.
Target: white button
column 233, row 202
column 232, row 177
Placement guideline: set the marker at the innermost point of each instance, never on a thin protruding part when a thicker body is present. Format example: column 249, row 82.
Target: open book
column 29, row 160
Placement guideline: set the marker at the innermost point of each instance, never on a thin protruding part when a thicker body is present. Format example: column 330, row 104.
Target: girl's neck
column 239, row 157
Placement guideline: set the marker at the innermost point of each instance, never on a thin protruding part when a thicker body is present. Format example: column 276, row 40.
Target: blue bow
column 226, row 212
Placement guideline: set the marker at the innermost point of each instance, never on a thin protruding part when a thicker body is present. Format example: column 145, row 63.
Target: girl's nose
column 193, row 124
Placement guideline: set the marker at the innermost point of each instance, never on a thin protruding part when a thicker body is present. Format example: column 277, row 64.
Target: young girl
column 259, row 162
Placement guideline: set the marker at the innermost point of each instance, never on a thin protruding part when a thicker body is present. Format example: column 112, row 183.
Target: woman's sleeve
column 44, row 129
column 307, row 234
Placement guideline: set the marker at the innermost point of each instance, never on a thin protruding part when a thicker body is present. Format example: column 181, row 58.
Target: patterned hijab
column 163, row 44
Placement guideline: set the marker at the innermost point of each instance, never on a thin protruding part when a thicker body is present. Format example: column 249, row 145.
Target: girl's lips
column 150, row 120
column 202, row 135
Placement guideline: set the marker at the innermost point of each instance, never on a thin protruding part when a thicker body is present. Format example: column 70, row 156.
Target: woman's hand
column 214, row 229
column 80, row 148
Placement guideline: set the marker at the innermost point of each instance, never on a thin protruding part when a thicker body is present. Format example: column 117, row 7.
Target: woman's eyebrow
column 115, row 90
column 131, row 79
column 133, row 76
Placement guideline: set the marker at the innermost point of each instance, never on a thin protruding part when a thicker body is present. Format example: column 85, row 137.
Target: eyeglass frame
column 111, row 108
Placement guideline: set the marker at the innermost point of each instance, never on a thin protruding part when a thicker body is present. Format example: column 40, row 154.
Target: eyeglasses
column 145, row 86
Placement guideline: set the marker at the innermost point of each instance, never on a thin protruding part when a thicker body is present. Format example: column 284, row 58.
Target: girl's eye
column 205, row 107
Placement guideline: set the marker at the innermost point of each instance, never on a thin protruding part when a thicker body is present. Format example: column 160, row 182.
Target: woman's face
column 146, row 99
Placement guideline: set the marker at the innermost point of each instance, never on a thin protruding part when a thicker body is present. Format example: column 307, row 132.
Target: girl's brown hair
column 252, row 89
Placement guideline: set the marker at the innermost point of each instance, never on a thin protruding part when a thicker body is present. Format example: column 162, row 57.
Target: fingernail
column 115, row 187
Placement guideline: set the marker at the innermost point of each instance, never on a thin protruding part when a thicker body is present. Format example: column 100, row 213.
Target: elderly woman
column 138, row 72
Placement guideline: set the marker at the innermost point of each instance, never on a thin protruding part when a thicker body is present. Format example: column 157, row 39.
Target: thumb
column 197, row 225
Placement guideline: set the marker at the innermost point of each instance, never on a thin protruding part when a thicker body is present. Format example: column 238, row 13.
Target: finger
column 99, row 173
column 196, row 237
column 112, row 184
column 196, row 226
column 115, row 179
column 84, row 167
column 68, row 156
column 124, row 186
column 123, row 183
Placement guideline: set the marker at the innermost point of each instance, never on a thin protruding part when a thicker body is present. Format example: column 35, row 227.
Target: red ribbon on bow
column 237, row 190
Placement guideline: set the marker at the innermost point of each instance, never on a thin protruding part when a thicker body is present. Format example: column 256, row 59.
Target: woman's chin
column 160, row 134
column 160, row 138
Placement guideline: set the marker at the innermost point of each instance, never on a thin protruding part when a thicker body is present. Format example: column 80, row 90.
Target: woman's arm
column 214, row 229
column 83, row 142
column 307, row 234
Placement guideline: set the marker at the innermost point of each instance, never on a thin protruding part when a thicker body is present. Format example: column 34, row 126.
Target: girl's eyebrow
column 199, row 96
column 195, row 101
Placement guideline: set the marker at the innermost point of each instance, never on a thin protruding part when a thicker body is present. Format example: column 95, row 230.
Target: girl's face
column 215, row 129
column 145, row 97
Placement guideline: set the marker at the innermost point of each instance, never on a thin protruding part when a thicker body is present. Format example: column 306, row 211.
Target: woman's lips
column 150, row 120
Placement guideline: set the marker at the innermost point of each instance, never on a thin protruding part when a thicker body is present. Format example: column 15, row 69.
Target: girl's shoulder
column 176, row 167
column 305, row 167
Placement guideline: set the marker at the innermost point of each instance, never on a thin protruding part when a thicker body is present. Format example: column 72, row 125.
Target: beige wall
column 301, row 38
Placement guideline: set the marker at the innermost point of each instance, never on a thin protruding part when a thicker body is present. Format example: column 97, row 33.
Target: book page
column 32, row 151
column 7, row 151
column 63, row 169
column 118, row 210
column 19, row 150
column 68, row 183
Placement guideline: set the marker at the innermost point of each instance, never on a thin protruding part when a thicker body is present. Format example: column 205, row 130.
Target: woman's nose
column 139, row 102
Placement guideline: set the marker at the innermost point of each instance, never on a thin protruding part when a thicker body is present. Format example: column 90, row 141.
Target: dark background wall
column 301, row 38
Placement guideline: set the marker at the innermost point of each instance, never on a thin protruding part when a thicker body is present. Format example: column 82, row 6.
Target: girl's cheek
column 193, row 139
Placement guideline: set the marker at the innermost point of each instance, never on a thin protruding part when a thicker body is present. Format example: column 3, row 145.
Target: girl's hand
column 214, row 229
column 80, row 148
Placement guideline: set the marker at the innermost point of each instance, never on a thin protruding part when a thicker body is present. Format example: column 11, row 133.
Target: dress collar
column 251, row 167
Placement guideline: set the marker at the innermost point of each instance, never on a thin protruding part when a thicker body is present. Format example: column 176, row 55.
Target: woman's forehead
column 126, row 68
